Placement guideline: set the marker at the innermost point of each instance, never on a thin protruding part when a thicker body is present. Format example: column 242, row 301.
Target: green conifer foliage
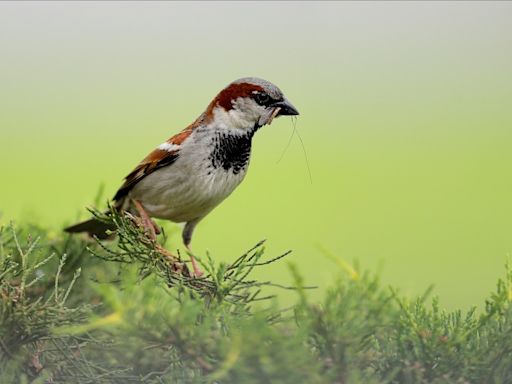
column 79, row 311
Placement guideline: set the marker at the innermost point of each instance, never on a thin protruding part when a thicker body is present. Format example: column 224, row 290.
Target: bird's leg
column 195, row 266
column 187, row 238
column 148, row 224
column 152, row 230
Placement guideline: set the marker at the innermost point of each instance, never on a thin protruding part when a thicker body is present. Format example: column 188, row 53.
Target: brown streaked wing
column 155, row 160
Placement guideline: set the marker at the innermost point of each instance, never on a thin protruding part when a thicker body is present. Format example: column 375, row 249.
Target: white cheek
column 245, row 114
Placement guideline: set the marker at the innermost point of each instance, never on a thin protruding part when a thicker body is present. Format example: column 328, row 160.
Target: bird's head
column 249, row 103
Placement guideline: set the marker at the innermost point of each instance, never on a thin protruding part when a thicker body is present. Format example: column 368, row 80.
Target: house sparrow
column 188, row 175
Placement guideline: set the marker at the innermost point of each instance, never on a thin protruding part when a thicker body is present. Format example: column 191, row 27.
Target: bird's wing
column 165, row 154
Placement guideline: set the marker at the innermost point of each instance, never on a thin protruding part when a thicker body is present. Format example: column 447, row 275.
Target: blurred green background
column 406, row 115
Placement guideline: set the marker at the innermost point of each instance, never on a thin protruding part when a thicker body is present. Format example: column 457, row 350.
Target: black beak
column 287, row 109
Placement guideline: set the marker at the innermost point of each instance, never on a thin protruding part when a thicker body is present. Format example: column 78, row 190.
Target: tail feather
column 93, row 227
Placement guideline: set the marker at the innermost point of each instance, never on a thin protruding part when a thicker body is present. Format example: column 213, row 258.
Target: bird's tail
column 93, row 227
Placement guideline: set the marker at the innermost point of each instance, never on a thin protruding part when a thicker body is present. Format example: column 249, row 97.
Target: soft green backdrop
column 406, row 115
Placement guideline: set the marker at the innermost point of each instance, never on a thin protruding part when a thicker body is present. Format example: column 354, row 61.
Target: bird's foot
column 195, row 265
column 174, row 261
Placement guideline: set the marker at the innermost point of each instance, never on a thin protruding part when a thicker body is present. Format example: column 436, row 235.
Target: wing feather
column 155, row 160
column 165, row 155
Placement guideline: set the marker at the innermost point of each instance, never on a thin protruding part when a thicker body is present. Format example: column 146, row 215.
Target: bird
column 184, row 178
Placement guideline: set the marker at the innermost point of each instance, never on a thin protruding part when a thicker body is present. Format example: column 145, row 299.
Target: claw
column 195, row 266
column 174, row 261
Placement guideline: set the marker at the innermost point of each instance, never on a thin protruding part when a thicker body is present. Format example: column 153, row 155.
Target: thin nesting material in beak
column 274, row 114
column 268, row 116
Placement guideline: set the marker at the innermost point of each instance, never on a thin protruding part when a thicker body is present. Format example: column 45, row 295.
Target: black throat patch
column 231, row 152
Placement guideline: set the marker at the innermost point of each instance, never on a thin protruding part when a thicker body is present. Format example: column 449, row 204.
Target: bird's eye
column 262, row 98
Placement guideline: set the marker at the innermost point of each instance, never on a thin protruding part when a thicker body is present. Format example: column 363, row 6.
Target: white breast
column 190, row 187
